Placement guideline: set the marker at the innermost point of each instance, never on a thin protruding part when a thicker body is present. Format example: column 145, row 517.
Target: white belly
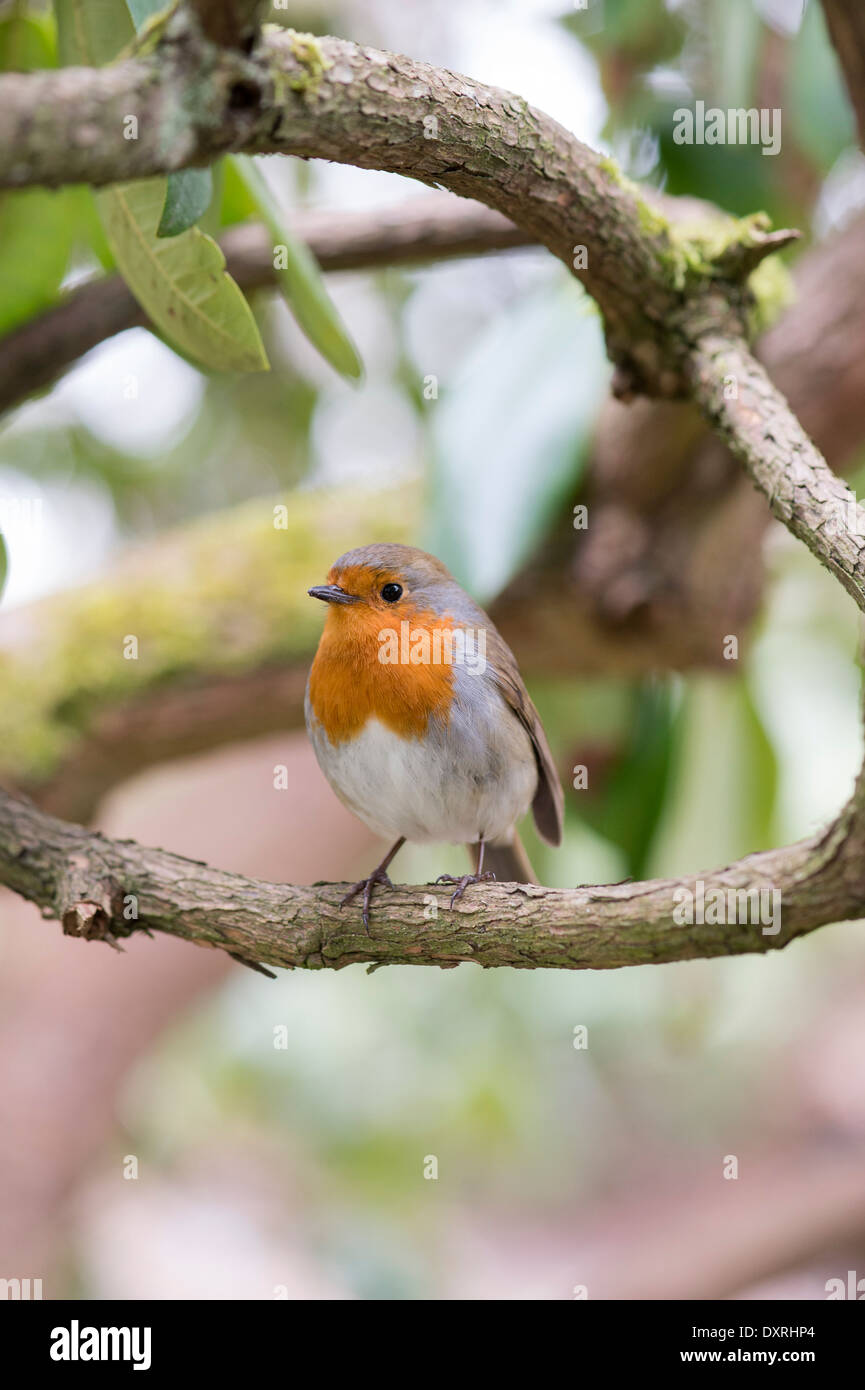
column 470, row 781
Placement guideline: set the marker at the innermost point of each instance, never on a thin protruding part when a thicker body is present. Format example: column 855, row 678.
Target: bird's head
column 387, row 583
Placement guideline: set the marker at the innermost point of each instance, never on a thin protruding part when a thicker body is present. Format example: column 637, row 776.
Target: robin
column 420, row 719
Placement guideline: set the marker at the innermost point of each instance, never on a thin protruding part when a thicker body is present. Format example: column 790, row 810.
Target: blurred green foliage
column 654, row 59
column 510, row 434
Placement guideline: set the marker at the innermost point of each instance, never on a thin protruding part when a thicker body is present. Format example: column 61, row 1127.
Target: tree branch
column 672, row 560
column 756, row 423
column 95, row 885
column 328, row 98
column 434, row 228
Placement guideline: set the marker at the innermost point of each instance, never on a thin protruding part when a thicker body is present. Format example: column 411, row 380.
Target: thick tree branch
column 672, row 560
column 328, row 98
column 756, row 423
column 659, row 462
column 96, row 886
column 434, row 228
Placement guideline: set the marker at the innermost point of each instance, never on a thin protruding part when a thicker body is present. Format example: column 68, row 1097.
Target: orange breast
column 349, row 684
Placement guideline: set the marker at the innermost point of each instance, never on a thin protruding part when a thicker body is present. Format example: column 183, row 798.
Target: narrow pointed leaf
column 27, row 42
column 180, row 281
column 91, row 32
column 35, row 242
column 142, row 10
column 187, row 197
column 301, row 280
column 238, row 203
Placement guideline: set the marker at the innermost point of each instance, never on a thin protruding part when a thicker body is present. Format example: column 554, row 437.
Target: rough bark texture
column 673, row 558
column 756, row 423
column 328, row 98
column 89, row 883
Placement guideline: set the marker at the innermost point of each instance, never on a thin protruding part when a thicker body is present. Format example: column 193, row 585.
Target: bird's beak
column 332, row 593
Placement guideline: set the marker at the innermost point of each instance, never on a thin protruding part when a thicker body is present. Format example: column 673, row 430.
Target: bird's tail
column 509, row 863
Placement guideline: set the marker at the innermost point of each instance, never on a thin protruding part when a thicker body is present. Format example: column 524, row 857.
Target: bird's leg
column 477, row 877
column 378, row 875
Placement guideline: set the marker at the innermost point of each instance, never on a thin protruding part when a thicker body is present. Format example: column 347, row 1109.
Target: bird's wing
column 548, row 804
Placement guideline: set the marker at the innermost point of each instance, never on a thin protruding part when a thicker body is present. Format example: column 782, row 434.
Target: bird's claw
column 463, row 883
column 366, row 885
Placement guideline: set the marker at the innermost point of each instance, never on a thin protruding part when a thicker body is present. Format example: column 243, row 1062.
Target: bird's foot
column 463, row 883
column 365, row 886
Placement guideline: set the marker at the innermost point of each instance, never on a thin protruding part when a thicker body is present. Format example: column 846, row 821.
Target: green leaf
column 762, row 765
column 736, row 40
column 633, row 793
column 815, row 97
column 36, row 230
column 4, row 563
column 237, row 202
column 35, row 235
column 27, row 42
column 301, row 280
column 187, row 197
column 723, row 779
column 181, row 282
column 87, row 231
column 142, row 10
column 509, row 435
column 642, row 32
column 92, row 31
column 211, row 219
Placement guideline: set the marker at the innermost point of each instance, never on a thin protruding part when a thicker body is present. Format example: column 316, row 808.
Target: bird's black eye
column 391, row 592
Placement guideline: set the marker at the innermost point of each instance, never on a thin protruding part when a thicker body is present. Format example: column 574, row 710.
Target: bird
column 420, row 719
